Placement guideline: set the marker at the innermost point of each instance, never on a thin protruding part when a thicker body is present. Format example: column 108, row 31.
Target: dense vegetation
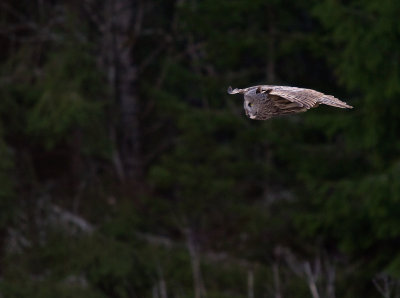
column 127, row 171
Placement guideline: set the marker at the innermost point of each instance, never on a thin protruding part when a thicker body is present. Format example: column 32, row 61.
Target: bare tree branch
column 387, row 286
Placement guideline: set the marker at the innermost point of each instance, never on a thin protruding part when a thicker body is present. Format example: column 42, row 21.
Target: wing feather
column 305, row 98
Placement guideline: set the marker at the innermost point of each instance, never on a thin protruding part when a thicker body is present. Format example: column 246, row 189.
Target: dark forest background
column 127, row 171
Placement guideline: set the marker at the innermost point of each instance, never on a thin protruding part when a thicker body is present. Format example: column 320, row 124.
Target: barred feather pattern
column 266, row 101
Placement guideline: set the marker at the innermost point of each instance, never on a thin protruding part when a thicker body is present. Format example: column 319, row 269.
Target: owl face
column 253, row 100
column 250, row 108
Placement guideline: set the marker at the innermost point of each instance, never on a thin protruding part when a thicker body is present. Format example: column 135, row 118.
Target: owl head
column 254, row 99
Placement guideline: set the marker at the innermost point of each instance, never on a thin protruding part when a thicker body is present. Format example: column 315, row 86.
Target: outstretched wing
column 300, row 98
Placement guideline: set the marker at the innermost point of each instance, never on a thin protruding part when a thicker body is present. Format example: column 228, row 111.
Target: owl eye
column 249, row 104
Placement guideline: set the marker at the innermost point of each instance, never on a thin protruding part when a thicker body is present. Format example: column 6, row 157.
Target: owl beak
column 249, row 115
column 235, row 91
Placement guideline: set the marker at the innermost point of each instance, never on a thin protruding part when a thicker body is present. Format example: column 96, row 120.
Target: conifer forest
column 127, row 171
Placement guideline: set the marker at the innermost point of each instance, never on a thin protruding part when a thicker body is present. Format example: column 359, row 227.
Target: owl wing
column 295, row 99
column 288, row 98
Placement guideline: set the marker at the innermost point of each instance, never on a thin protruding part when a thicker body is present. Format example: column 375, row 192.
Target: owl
column 266, row 101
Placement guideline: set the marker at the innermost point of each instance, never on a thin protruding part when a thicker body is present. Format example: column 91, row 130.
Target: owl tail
column 333, row 101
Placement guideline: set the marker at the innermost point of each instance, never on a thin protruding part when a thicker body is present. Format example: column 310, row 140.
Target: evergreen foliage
column 222, row 206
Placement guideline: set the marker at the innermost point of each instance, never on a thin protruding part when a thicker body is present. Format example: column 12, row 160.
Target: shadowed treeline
column 126, row 170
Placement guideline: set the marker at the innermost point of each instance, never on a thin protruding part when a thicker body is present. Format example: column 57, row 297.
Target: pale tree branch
column 314, row 274
column 250, row 283
column 311, row 279
column 199, row 289
column 162, row 285
column 387, row 286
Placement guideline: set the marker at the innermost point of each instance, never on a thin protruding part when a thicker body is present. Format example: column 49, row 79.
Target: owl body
column 265, row 101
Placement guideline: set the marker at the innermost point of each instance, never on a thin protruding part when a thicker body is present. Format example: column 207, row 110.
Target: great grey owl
column 264, row 101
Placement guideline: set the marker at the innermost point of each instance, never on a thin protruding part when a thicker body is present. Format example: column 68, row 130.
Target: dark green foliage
column 241, row 196
column 69, row 99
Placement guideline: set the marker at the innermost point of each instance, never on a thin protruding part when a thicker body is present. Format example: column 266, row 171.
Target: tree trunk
column 199, row 289
column 250, row 283
column 126, row 88
column 311, row 278
column 330, row 272
column 277, row 283
column 117, row 60
column 270, row 71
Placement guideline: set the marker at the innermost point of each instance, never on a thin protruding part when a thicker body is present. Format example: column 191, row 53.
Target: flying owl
column 265, row 101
